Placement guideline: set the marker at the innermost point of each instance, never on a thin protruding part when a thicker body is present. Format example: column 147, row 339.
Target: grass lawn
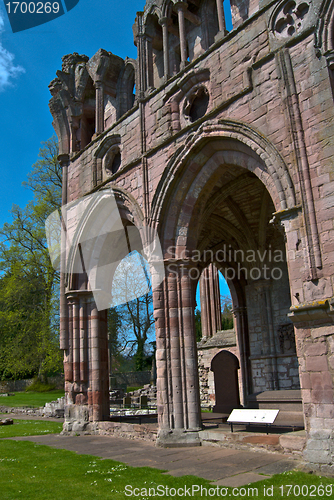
column 30, row 428
column 31, row 399
column 31, row 471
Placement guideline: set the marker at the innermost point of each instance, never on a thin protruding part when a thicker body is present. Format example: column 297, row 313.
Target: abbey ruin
column 222, row 142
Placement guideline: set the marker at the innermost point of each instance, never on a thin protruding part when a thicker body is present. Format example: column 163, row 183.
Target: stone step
column 293, row 441
column 275, row 441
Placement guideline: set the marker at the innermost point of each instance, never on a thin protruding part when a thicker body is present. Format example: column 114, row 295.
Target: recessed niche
column 197, row 104
column 113, row 160
column 116, row 162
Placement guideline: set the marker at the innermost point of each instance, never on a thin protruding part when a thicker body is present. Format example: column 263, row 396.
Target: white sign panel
column 253, row 416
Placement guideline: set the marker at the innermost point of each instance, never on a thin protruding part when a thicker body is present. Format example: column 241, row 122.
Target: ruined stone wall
column 270, row 115
column 224, row 340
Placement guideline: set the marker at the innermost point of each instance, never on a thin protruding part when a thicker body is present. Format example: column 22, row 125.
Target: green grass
column 30, row 471
column 38, row 386
column 30, row 428
column 134, row 388
column 31, row 399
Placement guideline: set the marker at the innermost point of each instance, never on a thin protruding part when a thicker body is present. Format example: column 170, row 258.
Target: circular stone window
column 116, row 163
column 113, row 160
column 197, row 104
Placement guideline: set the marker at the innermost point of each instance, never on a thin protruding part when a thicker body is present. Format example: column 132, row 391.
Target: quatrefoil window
column 290, row 17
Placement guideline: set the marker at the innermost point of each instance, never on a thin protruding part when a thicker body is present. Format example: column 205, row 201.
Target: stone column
column 210, row 301
column 315, row 351
column 221, row 16
column 68, row 355
column 99, row 376
column 268, row 338
column 193, row 407
column 148, row 62
column 86, row 364
column 164, row 21
column 99, row 108
column 141, row 50
column 162, row 357
column 177, row 371
column 240, row 314
column 175, row 350
column 205, row 309
column 181, row 7
column 215, row 298
column 83, row 327
column 74, row 305
column 64, row 162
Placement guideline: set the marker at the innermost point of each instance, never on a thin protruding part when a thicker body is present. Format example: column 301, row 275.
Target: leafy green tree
column 227, row 315
column 29, row 303
column 136, row 310
column 116, row 348
column 198, row 325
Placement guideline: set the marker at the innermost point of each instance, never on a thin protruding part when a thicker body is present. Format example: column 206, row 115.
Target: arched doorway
column 219, row 209
column 105, row 235
column 225, row 366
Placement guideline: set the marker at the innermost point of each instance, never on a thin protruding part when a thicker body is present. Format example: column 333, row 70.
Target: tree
column 227, row 315
column 29, row 317
column 135, row 311
column 198, row 325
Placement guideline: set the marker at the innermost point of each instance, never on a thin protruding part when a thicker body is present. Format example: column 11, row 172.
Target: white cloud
column 7, row 68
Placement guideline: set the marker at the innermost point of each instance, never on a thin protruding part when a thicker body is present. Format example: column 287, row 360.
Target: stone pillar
column 268, row 337
column 74, row 306
column 192, row 407
column 164, row 21
column 177, row 371
column 144, row 61
column 240, row 314
column 86, row 364
column 63, row 313
column 205, row 306
column 221, row 16
column 215, row 298
column 99, row 108
column 148, row 62
column 83, row 327
column 68, row 356
column 210, row 301
column 74, row 127
column 175, row 350
column 315, row 351
column 99, row 376
column 181, row 7
column 162, row 357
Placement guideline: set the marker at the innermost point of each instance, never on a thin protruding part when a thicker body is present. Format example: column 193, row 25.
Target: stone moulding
column 244, row 133
column 313, row 311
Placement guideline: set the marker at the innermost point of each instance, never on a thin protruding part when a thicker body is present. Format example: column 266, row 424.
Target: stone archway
column 102, row 229
column 219, row 208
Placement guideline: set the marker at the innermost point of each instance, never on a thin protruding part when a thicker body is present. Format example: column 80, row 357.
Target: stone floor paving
column 223, row 466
